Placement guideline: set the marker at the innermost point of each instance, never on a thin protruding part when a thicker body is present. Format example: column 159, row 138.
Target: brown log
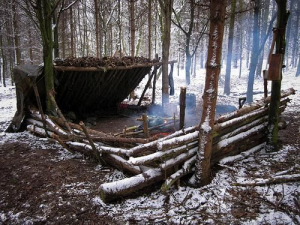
column 121, row 164
column 60, row 122
column 145, row 125
column 182, row 106
column 122, row 140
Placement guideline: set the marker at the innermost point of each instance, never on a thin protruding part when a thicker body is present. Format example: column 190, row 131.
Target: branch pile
column 166, row 159
column 103, row 62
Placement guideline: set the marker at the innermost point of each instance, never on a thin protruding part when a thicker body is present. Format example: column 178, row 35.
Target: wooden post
column 154, row 82
column 145, row 123
column 182, row 107
column 265, row 72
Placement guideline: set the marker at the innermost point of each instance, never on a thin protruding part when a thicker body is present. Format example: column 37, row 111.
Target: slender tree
column 166, row 9
column 213, row 68
column 189, row 54
column 254, row 54
column 229, row 51
column 282, row 18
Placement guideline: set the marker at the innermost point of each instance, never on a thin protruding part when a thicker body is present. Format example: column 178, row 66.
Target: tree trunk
column 282, row 18
column 149, row 29
column 296, row 38
column 55, row 35
column 265, row 16
column 3, row 63
column 72, row 33
column 97, row 28
column 288, row 32
column 44, row 11
column 132, row 28
column 166, row 8
column 298, row 68
column 213, row 67
column 254, row 54
column 229, row 52
column 16, row 34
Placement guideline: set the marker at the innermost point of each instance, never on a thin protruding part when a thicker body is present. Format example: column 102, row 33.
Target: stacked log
column 167, row 159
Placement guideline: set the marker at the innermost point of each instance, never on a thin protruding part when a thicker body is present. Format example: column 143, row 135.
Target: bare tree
column 213, row 68
column 166, row 9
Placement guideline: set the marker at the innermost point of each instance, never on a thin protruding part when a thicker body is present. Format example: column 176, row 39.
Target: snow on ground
column 221, row 202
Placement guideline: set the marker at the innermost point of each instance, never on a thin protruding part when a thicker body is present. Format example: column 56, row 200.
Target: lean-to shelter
column 82, row 85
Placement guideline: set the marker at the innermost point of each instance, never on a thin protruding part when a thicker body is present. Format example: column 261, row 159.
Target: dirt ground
column 37, row 187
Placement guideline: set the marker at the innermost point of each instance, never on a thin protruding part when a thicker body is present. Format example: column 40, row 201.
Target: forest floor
column 48, row 186
column 41, row 183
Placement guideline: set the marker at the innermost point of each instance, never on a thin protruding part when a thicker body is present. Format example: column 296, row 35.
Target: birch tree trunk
column 213, row 67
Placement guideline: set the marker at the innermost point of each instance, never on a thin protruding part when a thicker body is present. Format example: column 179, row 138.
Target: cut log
column 179, row 159
column 177, row 141
column 112, row 159
column 162, row 156
column 121, row 188
column 153, row 145
column 60, row 122
column 253, row 106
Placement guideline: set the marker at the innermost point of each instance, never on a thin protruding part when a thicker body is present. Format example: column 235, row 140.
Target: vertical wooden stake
column 145, row 122
column 174, row 121
column 182, row 106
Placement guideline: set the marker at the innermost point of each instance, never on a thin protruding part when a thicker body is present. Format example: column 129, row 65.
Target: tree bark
column 213, row 67
column 166, row 9
column 282, row 18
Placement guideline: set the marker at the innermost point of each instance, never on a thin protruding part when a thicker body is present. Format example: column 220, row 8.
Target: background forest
column 103, row 27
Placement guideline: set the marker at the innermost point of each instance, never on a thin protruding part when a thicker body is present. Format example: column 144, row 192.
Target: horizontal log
column 39, row 131
column 252, row 106
column 60, row 122
column 231, row 159
column 135, row 151
column 127, row 186
column 112, row 159
column 58, row 130
column 179, row 159
column 159, row 156
column 163, row 145
column 122, row 140
column 121, row 164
